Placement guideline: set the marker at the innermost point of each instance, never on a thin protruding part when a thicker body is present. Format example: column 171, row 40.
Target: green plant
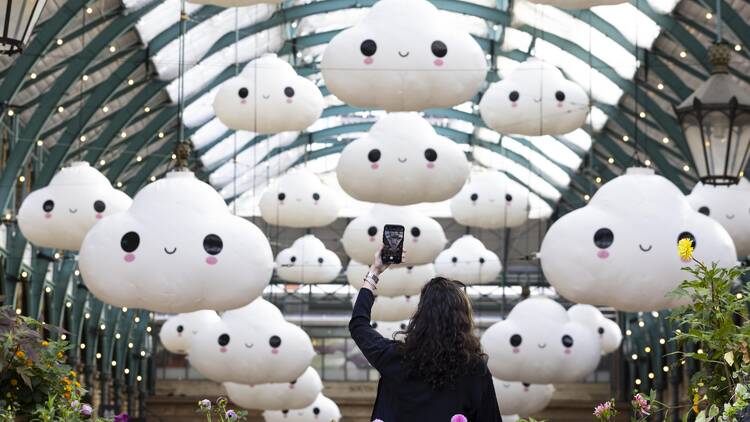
column 219, row 409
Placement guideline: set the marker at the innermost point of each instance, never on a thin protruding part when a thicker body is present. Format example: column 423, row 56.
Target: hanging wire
column 182, row 150
column 234, row 136
column 637, row 138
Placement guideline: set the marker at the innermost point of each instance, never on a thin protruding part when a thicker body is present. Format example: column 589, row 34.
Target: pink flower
column 459, row 418
column 602, row 409
column 641, row 404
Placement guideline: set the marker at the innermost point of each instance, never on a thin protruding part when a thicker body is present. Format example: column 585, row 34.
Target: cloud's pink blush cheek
column 372, row 239
column 568, row 351
column 243, row 102
column 430, row 165
column 98, row 216
column 514, row 104
column 438, row 62
column 288, row 100
column 211, row 260
column 275, row 351
column 516, row 350
column 602, row 254
column 374, row 166
column 47, row 215
column 129, row 257
column 369, row 60
column 223, row 349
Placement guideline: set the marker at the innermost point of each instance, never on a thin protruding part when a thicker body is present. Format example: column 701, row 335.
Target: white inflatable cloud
column 609, row 333
column 234, row 3
column 389, row 329
column 251, row 345
column 620, row 250
column 297, row 394
column 510, row 418
column 402, row 161
column 178, row 331
column 491, row 200
column 538, row 343
column 523, row 399
column 404, row 56
column 299, row 199
column 730, row 206
column 390, row 309
column 308, row 261
column 60, row 214
column 468, row 261
column 268, row 97
column 396, row 281
column 423, row 237
column 323, row 409
column 535, row 99
column 176, row 249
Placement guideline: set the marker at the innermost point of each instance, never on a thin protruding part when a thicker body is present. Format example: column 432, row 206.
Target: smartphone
column 393, row 244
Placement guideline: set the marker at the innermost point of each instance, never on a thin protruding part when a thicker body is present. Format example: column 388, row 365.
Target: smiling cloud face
column 523, row 399
column 535, row 100
column 491, row 200
column 423, row 237
column 251, row 345
column 391, row 309
column 730, row 206
column 402, row 161
column 609, row 333
column 308, row 261
column 300, row 199
column 289, row 395
column 323, row 410
column 59, row 215
column 178, row 331
column 620, row 250
column 468, row 261
column 176, row 249
column 538, row 343
column 397, row 281
column 268, row 97
column 403, row 56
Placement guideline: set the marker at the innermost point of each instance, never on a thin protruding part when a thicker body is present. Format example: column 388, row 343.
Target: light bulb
column 83, row 346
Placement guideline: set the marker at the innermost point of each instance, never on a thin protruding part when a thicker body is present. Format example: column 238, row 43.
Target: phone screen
column 393, row 244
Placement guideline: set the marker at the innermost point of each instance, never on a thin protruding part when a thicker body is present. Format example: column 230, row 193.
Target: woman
column 438, row 373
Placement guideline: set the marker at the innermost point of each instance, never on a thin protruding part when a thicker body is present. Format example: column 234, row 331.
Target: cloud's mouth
column 492, row 201
column 645, row 249
column 266, row 96
column 542, row 345
column 537, row 100
column 194, row 332
column 401, row 160
column 249, row 346
column 730, row 216
column 506, row 385
column 403, row 54
column 170, row 252
column 72, row 210
column 298, row 199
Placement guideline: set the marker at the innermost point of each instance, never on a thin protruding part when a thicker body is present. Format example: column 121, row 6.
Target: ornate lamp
column 17, row 20
column 716, row 123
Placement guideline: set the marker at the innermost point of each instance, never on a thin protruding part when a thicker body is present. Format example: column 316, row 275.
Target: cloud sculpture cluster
column 397, row 281
column 390, row 309
column 60, row 214
column 296, row 394
column 534, row 100
column 299, row 199
column 491, row 200
column 389, row 329
column 178, row 331
column 609, row 333
column 469, row 261
column 620, row 250
column 404, row 56
column 322, row 409
column 730, row 206
column 521, row 398
column 538, row 343
column 268, row 97
column 234, row 3
column 252, row 345
column 308, row 261
column 424, row 237
column 176, row 249
column 402, row 161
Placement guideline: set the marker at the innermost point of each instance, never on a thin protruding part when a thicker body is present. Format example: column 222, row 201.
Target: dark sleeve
column 376, row 348
column 488, row 408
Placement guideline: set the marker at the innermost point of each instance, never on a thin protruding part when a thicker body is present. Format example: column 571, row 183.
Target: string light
column 625, row 138
column 114, row 363
column 105, row 109
column 56, row 255
column 651, row 375
column 700, row 351
column 18, row 311
column 119, row 184
column 148, row 329
column 147, row 109
column 161, row 134
column 59, row 41
column 83, row 346
column 709, row 15
column 174, row 156
column 136, row 320
column 637, row 381
column 112, row 48
column 143, row 353
column 68, row 304
column 686, row 167
column 60, row 109
column 77, row 273
column 85, row 77
column 33, row 75
column 611, row 160
column 89, row 10
column 103, row 327
column 662, row 341
column 665, row 369
column 124, row 309
column 683, row 54
column 98, row 355
column 130, row 345
column 660, row 86
column 642, row 114
column 739, row 296
column 586, row 197
column 647, row 349
column 48, row 289
column 63, row 337
column 634, row 356
column 152, row 178
column 665, row 140
column 126, row 371
column 628, row 332
column 123, row 134
column 11, row 113
column 138, row 158
column 39, row 143
column 641, row 323
column 678, row 331
column 138, row 378
column 82, row 138
column 117, row 336
column 102, row 162
column 87, row 315
column 131, row 82
column 647, row 163
column 24, row 274
column 737, row 47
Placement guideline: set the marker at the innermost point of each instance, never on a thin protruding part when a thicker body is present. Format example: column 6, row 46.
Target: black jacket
column 403, row 399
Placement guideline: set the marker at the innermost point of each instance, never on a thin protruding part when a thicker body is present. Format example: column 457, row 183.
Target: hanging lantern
column 17, row 23
column 716, row 122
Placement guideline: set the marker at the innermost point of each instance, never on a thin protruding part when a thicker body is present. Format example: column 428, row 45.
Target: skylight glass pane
column 559, row 152
column 160, row 18
column 579, row 137
column 247, row 159
column 549, row 168
column 225, row 149
column 208, row 133
column 498, row 162
column 638, row 28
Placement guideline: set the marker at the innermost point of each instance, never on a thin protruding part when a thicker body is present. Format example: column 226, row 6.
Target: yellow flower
column 59, row 355
column 45, row 343
column 685, row 249
column 73, row 374
column 29, row 363
column 20, row 354
column 78, row 384
column 696, row 400
column 14, row 382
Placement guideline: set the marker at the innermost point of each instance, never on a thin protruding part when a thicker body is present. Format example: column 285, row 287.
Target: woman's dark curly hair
column 440, row 344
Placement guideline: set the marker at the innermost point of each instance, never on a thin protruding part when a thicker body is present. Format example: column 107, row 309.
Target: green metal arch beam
column 736, row 23
column 148, row 166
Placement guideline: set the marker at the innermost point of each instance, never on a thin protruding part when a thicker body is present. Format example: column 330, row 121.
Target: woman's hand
column 377, row 266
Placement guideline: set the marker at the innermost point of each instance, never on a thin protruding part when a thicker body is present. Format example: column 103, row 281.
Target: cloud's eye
column 373, row 155
column 439, row 49
column 320, row 260
column 474, row 196
column 99, row 206
column 415, row 231
column 368, row 48
column 274, row 341
column 603, row 238
column 403, row 326
column 372, row 230
column 213, row 244
column 526, row 384
column 180, row 328
column 430, row 154
column 130, row 241
column 513, row 96
column 704, row 210
column 293, row 382
column 293, row 259
column 223, row 340
column 374, row 325
column 48, row 205
column 243, row 92
column 600, row 330
column 687, row 235
column 560, row 96
column 285, row 411
column 289, row 92
column 567, row 341
column 515, row 340
column 281, row 196
column 454, row 259
column 481, row 260
column 316, row 196
column 316, row 410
